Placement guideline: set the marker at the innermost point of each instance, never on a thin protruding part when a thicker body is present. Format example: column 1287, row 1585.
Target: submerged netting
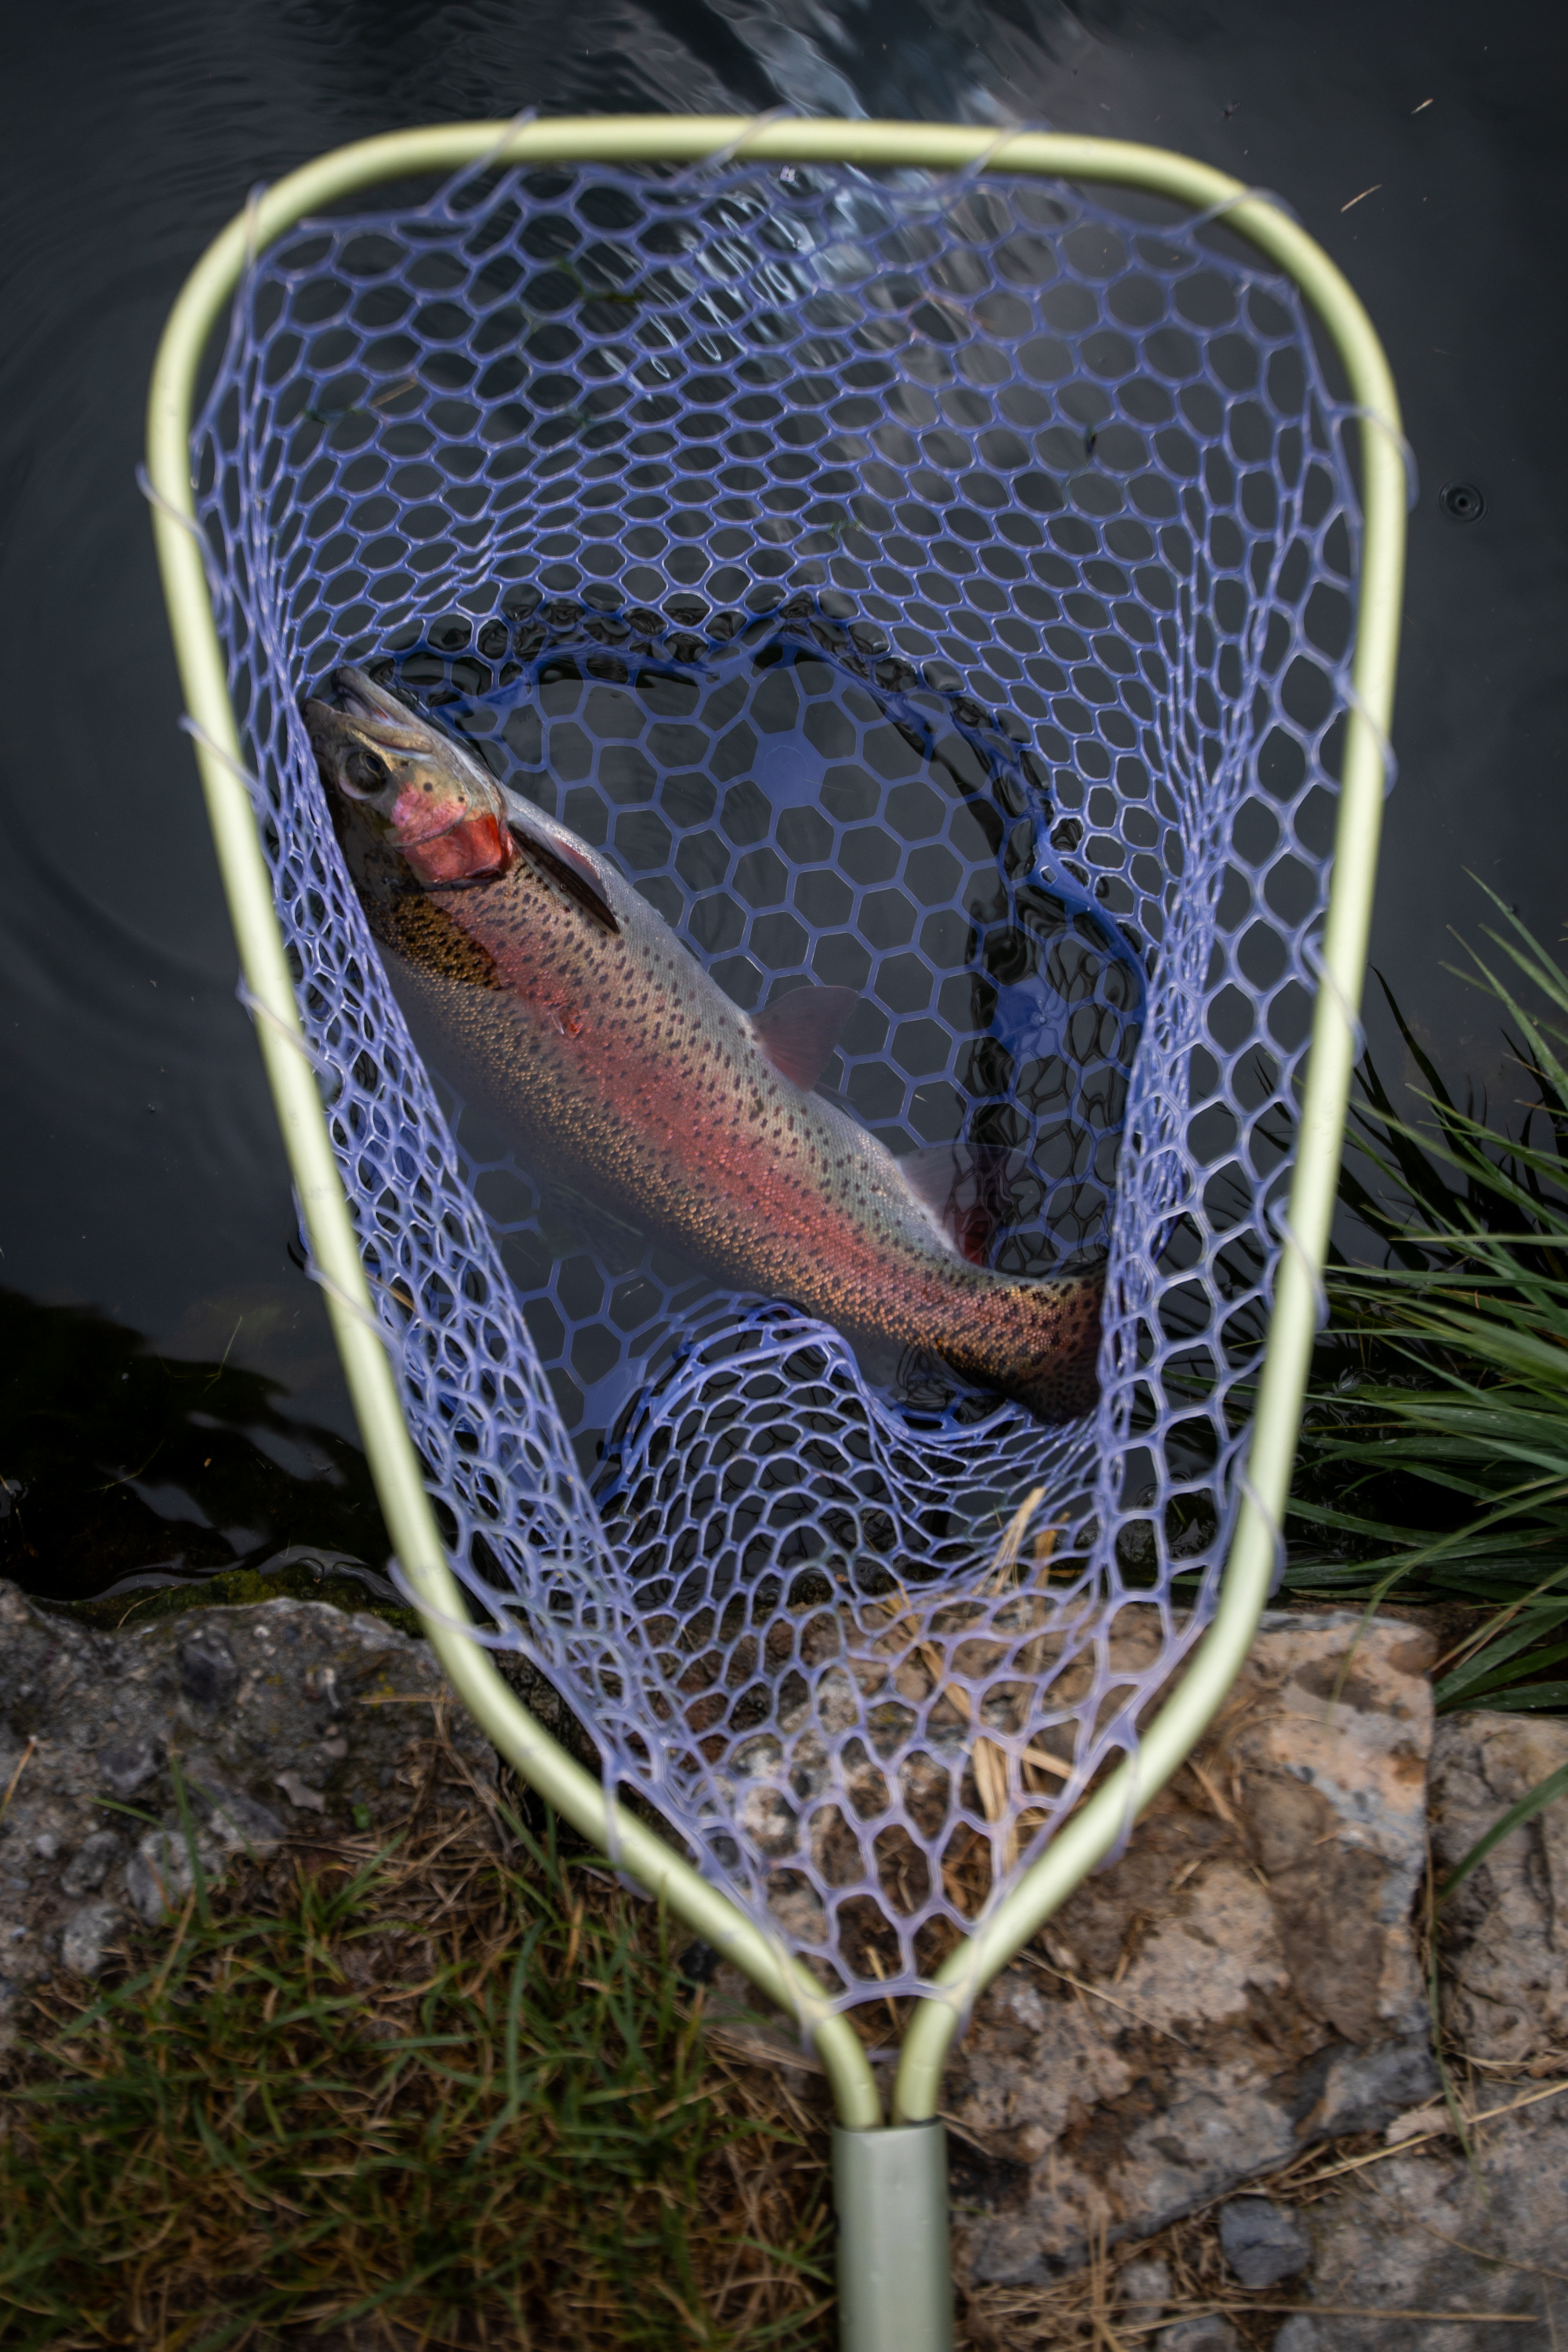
column 941, row 588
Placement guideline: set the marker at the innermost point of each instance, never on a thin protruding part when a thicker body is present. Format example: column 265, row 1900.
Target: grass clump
column 450, row 2093
column 1435, row 1453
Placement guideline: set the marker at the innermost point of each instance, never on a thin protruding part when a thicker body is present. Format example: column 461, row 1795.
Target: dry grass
column 450, row 2092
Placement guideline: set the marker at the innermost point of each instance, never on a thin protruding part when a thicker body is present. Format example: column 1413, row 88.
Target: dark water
column 142, row 1178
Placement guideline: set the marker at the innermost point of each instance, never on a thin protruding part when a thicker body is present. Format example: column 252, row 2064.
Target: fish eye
column 364, row 771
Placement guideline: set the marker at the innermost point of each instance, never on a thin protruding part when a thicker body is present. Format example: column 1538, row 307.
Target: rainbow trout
column 565, row 1008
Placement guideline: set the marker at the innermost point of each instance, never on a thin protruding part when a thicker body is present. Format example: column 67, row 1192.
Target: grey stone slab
column 1505, row 1928
column 250, row 1708
column 1241, row 1982
column 1417, row 2234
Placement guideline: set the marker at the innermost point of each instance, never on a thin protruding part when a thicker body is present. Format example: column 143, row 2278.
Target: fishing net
column 941, row 587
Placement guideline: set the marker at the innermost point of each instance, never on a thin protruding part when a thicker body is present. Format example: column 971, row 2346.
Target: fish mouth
column 379, row 714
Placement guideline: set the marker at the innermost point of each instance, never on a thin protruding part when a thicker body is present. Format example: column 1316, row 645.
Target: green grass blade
column 1555, row 1785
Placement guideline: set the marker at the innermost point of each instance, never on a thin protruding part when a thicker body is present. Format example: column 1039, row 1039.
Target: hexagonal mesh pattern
column 940, row 588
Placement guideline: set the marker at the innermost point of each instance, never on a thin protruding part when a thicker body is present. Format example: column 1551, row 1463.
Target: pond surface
column 144, row 1189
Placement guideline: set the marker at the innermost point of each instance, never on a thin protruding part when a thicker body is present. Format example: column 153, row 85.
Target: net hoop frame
column 1093, row 1831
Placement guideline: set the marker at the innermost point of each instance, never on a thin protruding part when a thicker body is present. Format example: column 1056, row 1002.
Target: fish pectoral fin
column 965, row 1186
column 571, row 871
column 799, row 1033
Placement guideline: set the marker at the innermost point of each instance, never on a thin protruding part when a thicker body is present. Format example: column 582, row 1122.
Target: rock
column 1416, row 2231
column 193, row 1724
column 240, row 1824
column 128, row 1766
column 160, row 1873
column 86, row 1870
column 298, row 1791
column 1261, row 2241
column 1505, row 1928
column 1417, row 2123
column 1143, row 2286
column 1417, row 2234
column 86, row 1934
column 1210, row 2334
column 1241, row 1982
column 209, row 1673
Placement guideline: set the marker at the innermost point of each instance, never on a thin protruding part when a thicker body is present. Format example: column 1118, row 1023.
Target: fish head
column 416, row 793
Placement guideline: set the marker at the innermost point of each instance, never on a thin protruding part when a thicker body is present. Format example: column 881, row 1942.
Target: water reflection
column 116, row 1459
column 132, row 143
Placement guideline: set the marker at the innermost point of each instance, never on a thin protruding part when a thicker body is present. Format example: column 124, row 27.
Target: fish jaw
column 472, row 849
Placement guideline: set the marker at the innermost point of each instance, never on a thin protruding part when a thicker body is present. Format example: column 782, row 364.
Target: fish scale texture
column 937, row 588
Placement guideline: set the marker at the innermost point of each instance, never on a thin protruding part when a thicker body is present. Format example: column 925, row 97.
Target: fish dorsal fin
column 568, row 867
column 799, row 1033
column 964, row 1185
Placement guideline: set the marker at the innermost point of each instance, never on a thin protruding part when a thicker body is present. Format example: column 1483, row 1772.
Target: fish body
column 565, row 1008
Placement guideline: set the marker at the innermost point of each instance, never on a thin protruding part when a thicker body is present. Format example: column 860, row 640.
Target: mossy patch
column 235, row 1587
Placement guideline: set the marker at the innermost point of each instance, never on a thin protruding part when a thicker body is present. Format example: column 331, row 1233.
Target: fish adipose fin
column 570, row 872
column 964, row 1185
column 799, row 1033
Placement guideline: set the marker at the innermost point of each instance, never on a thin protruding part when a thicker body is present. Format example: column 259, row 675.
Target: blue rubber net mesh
column 940, row 587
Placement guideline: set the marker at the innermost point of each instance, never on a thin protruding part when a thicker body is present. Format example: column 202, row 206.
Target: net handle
column 395, row 1464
